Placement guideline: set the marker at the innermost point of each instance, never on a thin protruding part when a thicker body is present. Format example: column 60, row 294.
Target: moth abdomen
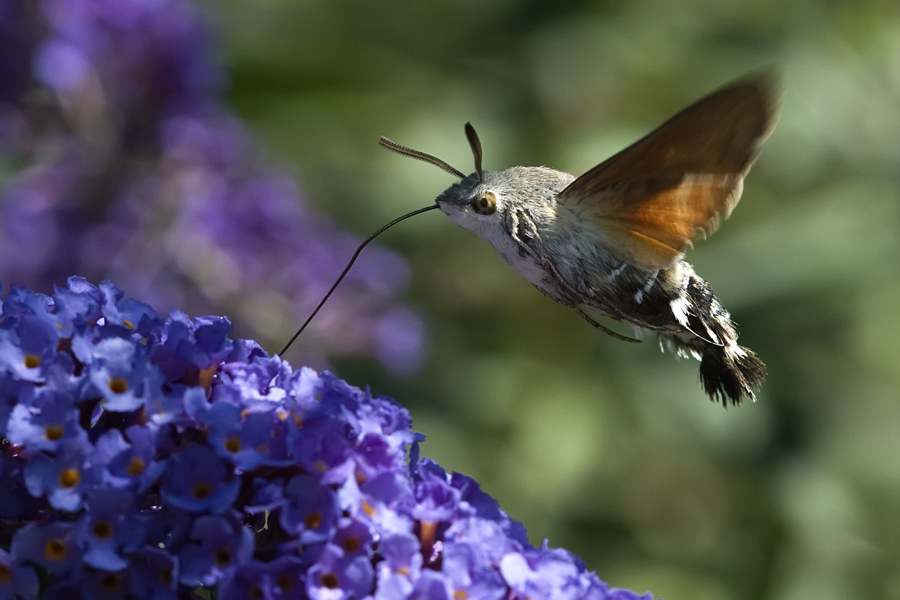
column 729, row 372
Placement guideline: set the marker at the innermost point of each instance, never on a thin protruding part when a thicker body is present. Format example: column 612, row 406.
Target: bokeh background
column 609, row 449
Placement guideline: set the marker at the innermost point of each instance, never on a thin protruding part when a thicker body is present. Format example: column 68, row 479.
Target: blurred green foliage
column 611, row 449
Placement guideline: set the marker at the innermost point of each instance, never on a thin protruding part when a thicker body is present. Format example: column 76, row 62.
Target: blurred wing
column 657, row 195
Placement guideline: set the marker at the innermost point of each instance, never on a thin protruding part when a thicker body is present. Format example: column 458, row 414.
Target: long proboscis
column 347, row 270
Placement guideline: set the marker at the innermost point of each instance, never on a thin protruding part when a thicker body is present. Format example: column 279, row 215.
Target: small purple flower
column 247, row 438
column 105, row 585
column 469, row 575
column 122, row 375
column 154, row 574
column 281, row 579
column 110, row 528
column 549, row 573
column 253, row 384
column 198, row 481
column 127, row 464
column 336, row 576
column 310, row 509
column 45, row 423
column 401, row 566
column 353, row 537
column 322, row 442
column 27, row 345
column 436, row 499
column 172, row 407
column 63, row 478
column 487, row 508
column 128, row 313
column 489, row 539
column 16, row 579
column 21, row 301
column 384, row 501
column 385, row 417
column 77, row 306
column 51, row 546
column 178, row 356
column 432, row 586
column 218, row 546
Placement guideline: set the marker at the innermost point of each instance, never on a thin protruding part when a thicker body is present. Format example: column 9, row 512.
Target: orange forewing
column 654, row 197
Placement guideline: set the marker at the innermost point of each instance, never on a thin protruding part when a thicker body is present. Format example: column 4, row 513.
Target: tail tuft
column 728, row 372
column 731, row 373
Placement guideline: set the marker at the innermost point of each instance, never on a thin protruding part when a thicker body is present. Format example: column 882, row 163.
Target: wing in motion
column 654, row 197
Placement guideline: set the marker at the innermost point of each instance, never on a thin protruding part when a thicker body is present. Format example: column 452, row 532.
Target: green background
column 609, row 449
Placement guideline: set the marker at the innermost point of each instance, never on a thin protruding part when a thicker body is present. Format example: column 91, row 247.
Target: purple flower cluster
column 120, row 161
column 151, row 458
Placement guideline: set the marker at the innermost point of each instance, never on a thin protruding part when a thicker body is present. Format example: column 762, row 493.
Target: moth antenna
column 433, row 160
column 350, row 264
column 475, row 143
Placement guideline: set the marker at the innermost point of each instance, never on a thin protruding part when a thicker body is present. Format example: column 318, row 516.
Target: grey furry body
column 568, row 258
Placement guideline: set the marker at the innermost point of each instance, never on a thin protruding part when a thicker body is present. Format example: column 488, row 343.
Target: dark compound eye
column 485, row 203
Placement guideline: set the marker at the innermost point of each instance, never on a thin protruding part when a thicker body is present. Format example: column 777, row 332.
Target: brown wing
column 654, row 197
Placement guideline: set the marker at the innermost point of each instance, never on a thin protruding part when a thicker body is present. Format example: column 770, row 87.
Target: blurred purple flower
column 16, row 579
column 61, row 66
column 126, row 164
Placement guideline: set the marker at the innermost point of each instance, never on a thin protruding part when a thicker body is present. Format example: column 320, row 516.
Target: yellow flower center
column 136, row 466
column 118, row 385
column 103, row 530
column 313, row 520
column 54, row 432
column 55, row 549
column 69, row 478
column 201, row 490
column 233, row 444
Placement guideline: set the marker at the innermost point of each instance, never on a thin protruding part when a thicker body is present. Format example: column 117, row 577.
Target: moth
column 611, row 242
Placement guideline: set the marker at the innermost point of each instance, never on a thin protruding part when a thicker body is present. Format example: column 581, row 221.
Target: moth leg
column 573, row 296
column 607, row 330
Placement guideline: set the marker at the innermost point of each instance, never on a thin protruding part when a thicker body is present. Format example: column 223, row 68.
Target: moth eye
column 485, row 204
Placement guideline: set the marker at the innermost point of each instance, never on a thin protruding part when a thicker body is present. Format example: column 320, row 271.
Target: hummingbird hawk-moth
column 611, row 242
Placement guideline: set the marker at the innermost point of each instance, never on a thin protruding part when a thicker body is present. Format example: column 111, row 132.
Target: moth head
column 473, row 202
